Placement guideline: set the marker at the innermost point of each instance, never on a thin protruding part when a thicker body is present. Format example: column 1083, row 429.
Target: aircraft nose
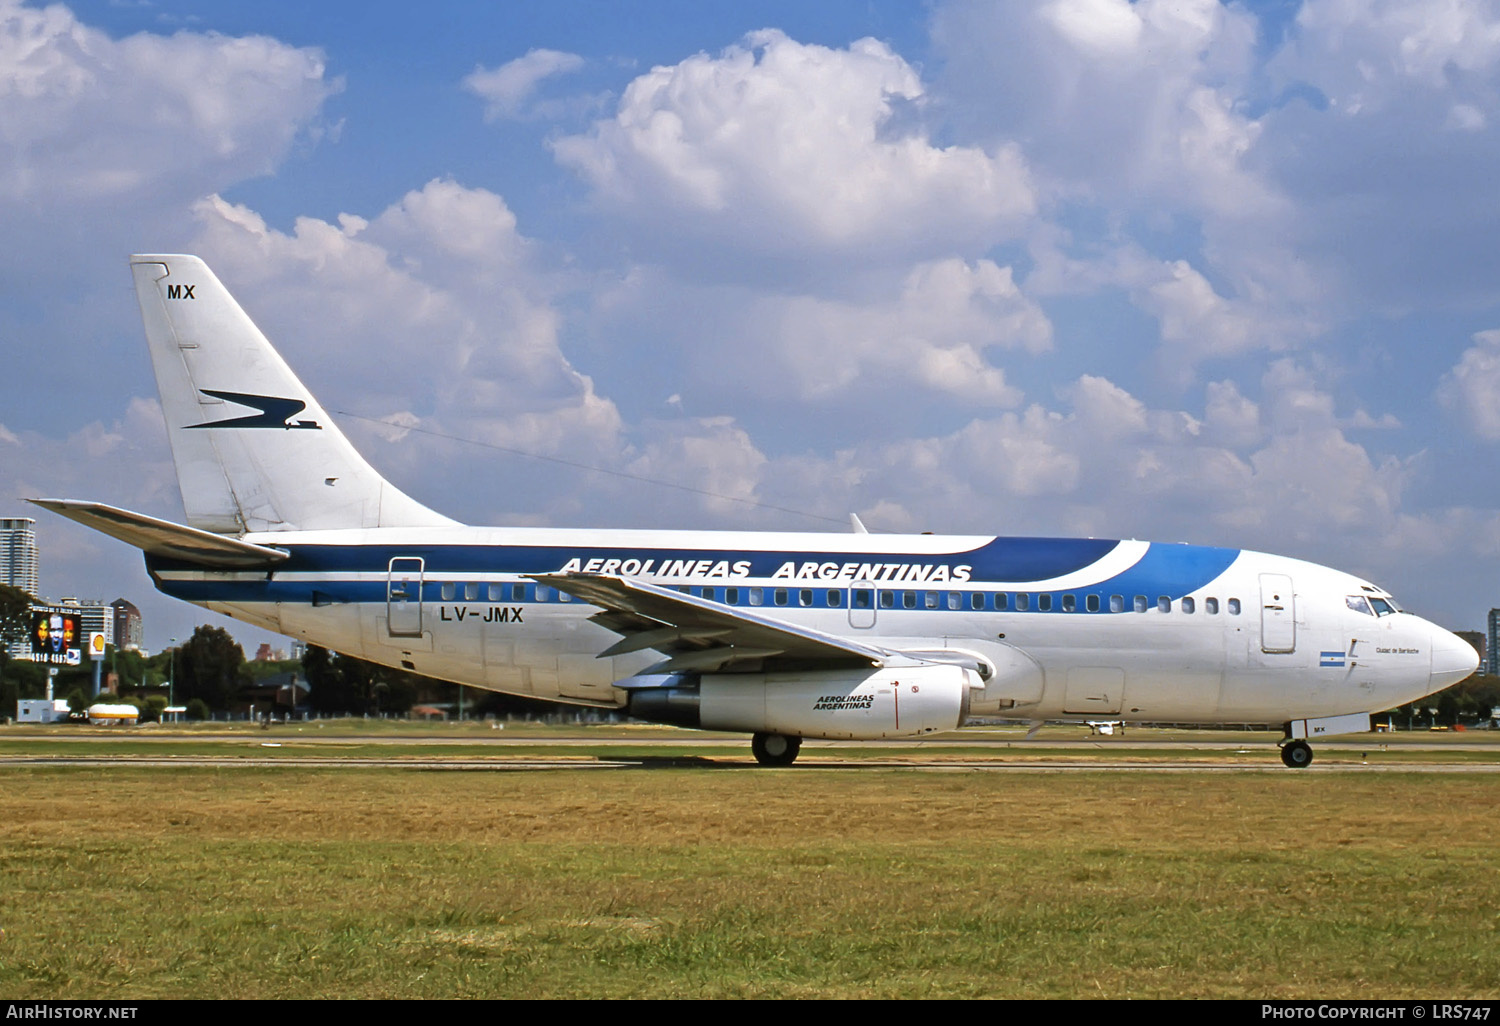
column 1453, row 658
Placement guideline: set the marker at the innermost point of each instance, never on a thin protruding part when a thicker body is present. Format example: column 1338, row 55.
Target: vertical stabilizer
column 254, row 450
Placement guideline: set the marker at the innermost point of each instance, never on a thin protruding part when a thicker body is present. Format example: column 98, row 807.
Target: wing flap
column 699, row 633
column 164, row 538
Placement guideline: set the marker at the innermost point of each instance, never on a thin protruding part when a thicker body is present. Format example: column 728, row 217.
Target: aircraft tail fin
column 254, row 450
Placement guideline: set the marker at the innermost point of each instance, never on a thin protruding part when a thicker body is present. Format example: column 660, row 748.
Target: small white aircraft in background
column 784, row 636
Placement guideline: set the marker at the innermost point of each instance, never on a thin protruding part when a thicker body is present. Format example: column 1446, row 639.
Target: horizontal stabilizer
column 164, row 538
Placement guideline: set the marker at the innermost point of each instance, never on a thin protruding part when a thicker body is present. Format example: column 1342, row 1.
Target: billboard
column 56, row 635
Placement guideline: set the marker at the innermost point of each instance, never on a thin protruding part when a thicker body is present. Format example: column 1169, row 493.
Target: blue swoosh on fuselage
column 1016, row 560
column 1164, row 570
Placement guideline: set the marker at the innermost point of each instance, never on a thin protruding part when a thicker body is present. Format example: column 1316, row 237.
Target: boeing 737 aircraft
column 783, row 636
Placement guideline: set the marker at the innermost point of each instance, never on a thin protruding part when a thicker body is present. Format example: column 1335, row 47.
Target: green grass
column 237, row 882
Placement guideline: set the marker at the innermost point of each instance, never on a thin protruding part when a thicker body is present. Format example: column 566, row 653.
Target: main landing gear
column 1297, row 754
column 775, row 749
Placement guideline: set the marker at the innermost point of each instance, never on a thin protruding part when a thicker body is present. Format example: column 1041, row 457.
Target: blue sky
column 1174, row 270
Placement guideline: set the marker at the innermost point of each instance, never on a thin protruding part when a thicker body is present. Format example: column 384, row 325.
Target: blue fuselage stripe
column 1169, row 571
column 1002, row 559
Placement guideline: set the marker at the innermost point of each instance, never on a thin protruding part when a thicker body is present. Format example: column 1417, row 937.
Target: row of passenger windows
column 870, row 598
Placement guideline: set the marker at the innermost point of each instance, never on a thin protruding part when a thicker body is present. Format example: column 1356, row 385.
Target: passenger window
column 779, row 596
column 976, row 600
column 955, row 600
column 543, row 593
column 1044, row 603
column 1091, row 603
column 1140, row 604
column 1117, row 603
column 930, row 599
column 563, row 596
column 1233, row 607
column 494, row 593
column 449, row 590
column 518, row 593
column 471, row 593
column 757, row 596
column 1211, row 606
column 887, row 600
column 1163, row 603
column 1002, row 600
column 835, row 598
column 732, row 596
column 708, row 593
column 909, row 599
column 1188, row 605
column 1070, row 604
column 1023, row 602
column 804, row 597
column 863, row 598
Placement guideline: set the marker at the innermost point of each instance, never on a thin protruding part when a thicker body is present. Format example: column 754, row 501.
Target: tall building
column 128, row 630
column 18, row 554
column 1492, row 649
column 93, row 615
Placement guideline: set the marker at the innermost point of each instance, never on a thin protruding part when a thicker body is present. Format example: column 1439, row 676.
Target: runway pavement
column 299, row 746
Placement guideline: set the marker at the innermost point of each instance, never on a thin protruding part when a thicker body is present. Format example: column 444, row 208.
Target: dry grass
column 292, row 883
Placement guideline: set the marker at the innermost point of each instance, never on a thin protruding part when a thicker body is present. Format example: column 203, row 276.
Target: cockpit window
column 1359, row 604
column 1382, row 607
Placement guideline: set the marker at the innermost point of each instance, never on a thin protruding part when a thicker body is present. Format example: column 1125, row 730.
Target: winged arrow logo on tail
column 274, row 412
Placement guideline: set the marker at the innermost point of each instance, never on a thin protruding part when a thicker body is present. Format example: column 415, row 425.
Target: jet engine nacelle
column 843, row 704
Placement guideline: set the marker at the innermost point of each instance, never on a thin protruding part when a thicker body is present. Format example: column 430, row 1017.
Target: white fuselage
column 1125, row 630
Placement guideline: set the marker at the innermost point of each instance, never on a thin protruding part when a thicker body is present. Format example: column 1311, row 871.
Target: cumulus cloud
column 819, row 260
column 1389, row 46
column 1196, row 320
column 104, row 145
column 1157, row 185
column 1299, row 175
column 1388, row 163
column 90, row 118
column 713, row 456
column 443, row 288
column 931, row 335
column 942, row 330
column 780, row 147
column 1279, row 474
column 1146, row 91
column 1472, row 386
column 505, row 90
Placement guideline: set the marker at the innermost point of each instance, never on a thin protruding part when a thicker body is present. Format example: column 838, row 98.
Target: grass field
column 125, row 882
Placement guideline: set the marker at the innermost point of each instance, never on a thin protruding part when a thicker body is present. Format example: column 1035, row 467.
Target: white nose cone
column 1453, row 658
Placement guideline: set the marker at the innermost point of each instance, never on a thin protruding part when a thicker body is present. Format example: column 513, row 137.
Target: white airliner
column 784, row 636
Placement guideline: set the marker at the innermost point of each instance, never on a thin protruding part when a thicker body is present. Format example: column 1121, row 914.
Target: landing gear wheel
column 775, row 749
column 1296, row 754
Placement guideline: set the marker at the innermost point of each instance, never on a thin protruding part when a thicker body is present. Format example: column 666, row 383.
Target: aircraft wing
column 701, row 634
column 164, row 538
